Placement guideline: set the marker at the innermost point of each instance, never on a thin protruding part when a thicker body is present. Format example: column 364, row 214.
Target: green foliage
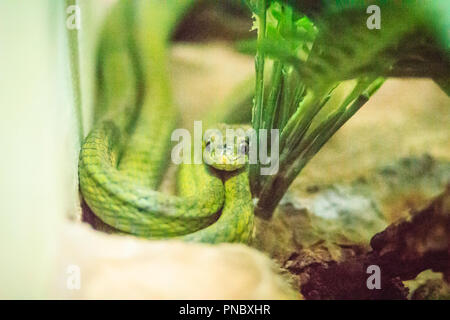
column 311, row 59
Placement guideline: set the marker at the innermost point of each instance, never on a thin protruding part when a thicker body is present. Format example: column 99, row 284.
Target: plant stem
column 293, row 160
column 259, row 89
column 270, row 108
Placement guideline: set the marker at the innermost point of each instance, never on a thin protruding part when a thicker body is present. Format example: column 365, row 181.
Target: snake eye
column 243, row 148
column 208, row 146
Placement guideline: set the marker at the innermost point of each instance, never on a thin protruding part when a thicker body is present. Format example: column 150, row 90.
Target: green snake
column 124, row 157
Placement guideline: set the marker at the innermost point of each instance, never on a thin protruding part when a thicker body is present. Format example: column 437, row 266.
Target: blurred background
column 39, row 136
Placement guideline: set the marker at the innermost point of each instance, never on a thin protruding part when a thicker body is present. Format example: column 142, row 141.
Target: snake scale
column 124, row 157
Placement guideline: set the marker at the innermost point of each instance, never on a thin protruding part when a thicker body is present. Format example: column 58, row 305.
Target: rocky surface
column 328, row 247
column 121, row 267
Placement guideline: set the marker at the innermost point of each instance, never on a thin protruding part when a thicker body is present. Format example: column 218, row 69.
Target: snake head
column 226, row 148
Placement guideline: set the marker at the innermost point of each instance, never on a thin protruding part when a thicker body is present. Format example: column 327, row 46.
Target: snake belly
column 124, row 157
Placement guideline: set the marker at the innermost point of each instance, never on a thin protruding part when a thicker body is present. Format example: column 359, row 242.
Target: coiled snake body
column 123, row 158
